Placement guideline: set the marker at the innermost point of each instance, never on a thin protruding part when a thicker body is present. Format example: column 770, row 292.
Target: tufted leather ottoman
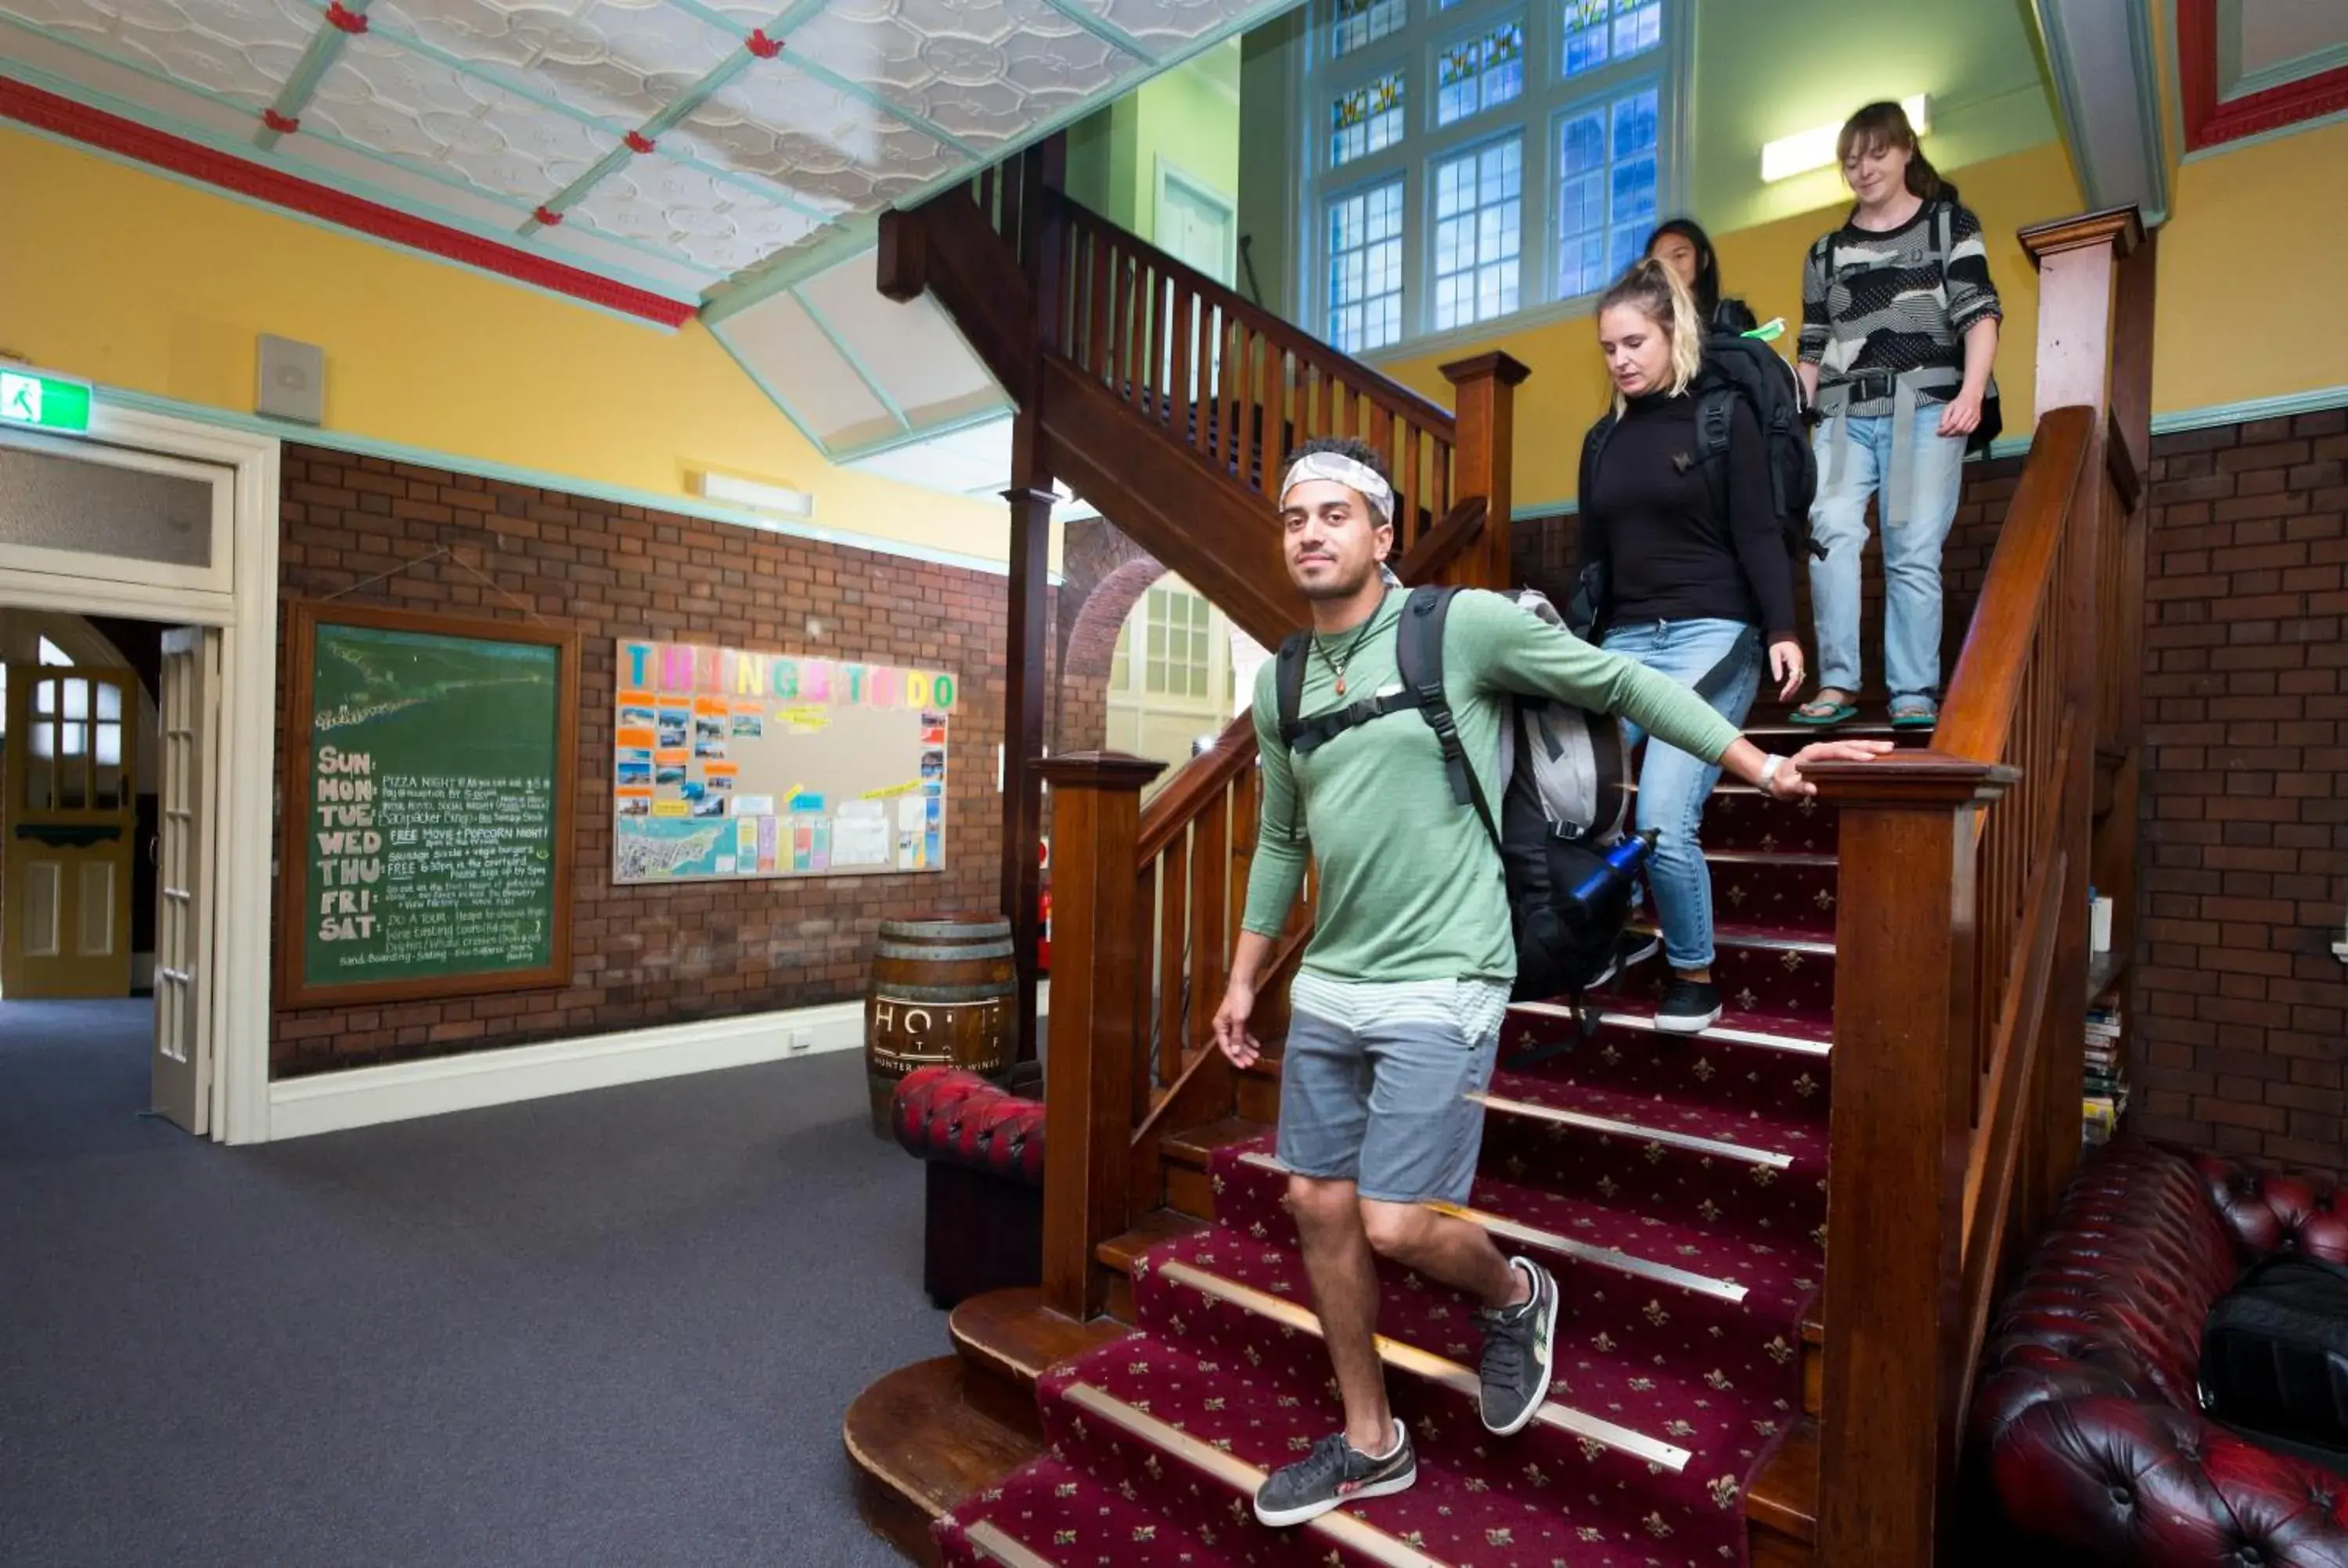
column 2086, row 1424
column 982, row 1209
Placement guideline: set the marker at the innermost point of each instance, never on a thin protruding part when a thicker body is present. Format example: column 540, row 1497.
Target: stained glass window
column 1606, row 180
column 1366, row 267
column 1598, row 32
column 1367, row 120
column 1479, row 73
column 1479, row 216
column 1360, row 22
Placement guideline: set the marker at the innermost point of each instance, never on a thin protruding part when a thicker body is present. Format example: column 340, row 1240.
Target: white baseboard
column 363, row 1096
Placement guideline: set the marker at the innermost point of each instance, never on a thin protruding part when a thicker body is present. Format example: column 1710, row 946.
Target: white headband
column 1345, row 471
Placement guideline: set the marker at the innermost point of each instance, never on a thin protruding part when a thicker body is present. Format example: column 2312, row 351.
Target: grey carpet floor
column 614, row 1328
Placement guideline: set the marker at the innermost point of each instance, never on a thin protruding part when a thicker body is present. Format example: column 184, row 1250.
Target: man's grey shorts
column 1374, row 1088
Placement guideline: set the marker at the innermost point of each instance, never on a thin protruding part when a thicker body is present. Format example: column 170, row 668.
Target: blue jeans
column 1671, row 783
column 1911, row 551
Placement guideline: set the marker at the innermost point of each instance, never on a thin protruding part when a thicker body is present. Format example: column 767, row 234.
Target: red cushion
column 947, row 1113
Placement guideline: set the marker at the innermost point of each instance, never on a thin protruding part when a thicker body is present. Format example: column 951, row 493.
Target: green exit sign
column 44, row 402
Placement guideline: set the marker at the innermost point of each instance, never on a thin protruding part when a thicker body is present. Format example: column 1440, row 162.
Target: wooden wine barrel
column 941, row 992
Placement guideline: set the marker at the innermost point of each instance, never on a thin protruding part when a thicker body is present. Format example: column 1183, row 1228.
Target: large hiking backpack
column 1734, row 366
column 1564, row 797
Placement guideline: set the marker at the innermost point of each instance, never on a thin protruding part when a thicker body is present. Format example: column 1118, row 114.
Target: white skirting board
column 363, row 1096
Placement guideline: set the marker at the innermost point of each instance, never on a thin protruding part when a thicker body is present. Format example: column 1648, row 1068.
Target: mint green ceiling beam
column 325, row 45
column 864, row 372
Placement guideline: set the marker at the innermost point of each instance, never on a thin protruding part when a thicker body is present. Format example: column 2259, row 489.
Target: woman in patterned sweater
column 1899, row 326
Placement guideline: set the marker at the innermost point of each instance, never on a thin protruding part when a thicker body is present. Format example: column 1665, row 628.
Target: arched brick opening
column 1089, row 648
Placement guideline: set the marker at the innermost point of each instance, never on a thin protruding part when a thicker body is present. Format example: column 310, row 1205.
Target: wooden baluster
column 1243, row 404
column 1484, row 393
column 1246, row 803
column 1145, row 915
column 1209, row 867
column 1382, row 438
column 1120, row 328
column 1901, row 1134
column 1263, row 382
column 1087, row 1093
column 1149, row 388
column 1173, row 976
column 1185, row 330
column 1408, row 502
column 1096, row 352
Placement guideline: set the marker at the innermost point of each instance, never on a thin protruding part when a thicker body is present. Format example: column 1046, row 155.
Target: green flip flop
column 1821, row 715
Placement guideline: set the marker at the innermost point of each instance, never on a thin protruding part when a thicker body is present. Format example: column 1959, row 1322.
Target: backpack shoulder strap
column 1289, row 681
column 1714, row 408
column 1418, row 651
column 1594, row 446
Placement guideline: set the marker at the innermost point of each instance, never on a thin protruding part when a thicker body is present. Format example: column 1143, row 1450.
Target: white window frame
column 1536, row 112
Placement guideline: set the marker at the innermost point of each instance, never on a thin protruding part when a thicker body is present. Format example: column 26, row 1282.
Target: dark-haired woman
column 1681, row 244
column 1899, row 326
column 1697, row 584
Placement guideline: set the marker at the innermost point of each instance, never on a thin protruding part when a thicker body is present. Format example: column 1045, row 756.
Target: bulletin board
column 428, row 779
column 732, row 762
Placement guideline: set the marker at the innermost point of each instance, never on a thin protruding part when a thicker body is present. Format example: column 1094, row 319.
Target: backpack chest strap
column 1304, row 736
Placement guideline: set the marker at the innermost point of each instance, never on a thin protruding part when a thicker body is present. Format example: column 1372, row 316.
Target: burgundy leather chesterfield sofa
column 2086, row 1428
column 982, row 1210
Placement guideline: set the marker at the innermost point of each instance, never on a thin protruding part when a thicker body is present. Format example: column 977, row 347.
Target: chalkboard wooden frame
column 294, row 988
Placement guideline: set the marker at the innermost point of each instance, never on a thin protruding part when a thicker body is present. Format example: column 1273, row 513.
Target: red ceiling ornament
column 759, row 43
column 639, row 143
column 350, row 22
column 284, row 125
column 547, row 215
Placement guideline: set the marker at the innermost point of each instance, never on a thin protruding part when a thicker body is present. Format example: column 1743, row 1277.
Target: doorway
column 136, row 738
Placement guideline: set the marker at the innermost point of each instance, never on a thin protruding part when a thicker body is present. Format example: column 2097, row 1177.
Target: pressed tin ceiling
column 669, row 150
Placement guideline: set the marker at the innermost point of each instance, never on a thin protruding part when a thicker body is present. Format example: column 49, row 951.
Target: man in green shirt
column 1396, row 1011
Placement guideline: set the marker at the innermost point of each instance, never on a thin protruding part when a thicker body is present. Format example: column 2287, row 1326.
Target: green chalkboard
column 428, row 806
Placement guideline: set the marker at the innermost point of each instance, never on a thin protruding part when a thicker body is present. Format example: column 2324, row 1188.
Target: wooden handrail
column 1203, row 780
column 1396, row 398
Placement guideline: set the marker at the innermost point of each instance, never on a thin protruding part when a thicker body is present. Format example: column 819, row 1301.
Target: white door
column 1198, row 228
column 188, row 702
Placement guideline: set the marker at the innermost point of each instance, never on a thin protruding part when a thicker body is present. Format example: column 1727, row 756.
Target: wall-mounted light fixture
column 1815, row 148
column 775, row 501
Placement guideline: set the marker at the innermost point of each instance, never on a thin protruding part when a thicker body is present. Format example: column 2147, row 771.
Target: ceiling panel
column 814, row 141
column 913, row 352
column 241, row 52
column 1163, row 25
column 718, row 227
column 787, row 351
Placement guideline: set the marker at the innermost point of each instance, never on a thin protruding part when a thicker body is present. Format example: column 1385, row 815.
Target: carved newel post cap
column 1098, row 771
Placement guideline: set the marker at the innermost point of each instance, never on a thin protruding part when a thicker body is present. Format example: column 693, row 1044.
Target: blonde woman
column 1696, row 584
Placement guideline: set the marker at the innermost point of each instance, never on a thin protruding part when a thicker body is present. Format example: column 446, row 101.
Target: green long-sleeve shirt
column 1411, row 887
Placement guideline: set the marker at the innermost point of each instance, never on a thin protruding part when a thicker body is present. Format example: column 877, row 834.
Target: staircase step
column 1795, row 1036
column 1010, row 1338
column 1049, row 1515
column 1197, row 1146
column 1638, row 1432
column 1154, row 1230
column 1610, row 1261
column 918, row 1448
column 1729, row 1068
column 1739, row 817
column 1200, row 1439
column 1758, row 967
column 1783, row 1502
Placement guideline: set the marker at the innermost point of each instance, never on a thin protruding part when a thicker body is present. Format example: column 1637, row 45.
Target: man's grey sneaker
column 1520, row 1343
column 1334, row 1475
column 1689, row 1006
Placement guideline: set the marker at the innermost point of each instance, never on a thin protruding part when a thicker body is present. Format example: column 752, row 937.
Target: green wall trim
column 541, row 479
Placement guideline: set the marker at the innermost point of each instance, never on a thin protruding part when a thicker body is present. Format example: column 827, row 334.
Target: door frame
column 242, row 800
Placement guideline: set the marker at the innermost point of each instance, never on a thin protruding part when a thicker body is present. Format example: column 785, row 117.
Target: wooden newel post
column 1900, row 1122
column 1484, row 397
column 1095, row 966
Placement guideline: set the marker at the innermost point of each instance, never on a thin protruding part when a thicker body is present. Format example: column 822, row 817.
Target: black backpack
column 1564, row 802
column 2274, row 1356
column 1734, row 366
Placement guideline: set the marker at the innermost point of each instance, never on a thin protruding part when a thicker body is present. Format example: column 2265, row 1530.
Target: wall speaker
column 291, row 381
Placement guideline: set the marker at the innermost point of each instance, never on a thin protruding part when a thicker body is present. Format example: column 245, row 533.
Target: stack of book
column 2106, row 1078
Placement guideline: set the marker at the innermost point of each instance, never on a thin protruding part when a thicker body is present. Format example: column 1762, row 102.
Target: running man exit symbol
column 45, row 402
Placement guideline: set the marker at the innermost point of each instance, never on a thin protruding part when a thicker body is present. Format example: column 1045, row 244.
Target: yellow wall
column 2249, row 292
column 133, row 281
column 1567, row 389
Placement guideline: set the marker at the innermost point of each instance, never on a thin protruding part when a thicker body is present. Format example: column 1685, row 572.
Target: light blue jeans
column 1911, row 551
column 1671, row 783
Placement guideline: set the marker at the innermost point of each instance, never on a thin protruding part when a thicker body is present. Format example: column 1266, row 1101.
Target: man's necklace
column 1337, row 662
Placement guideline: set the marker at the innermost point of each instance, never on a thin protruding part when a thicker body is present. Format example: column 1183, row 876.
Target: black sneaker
column 1520, row 1343
column 1334, row 1473
column 1689, row 1006
column 1634, row 947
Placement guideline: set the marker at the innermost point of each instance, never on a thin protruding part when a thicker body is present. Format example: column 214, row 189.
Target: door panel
column 70, row 780
column 188, row 702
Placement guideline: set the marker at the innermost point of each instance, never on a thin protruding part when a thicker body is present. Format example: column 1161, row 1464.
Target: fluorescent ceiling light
column 796, row 505
column 1815, row 148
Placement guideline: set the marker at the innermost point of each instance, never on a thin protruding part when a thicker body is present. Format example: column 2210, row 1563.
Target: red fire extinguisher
column 1044, row 909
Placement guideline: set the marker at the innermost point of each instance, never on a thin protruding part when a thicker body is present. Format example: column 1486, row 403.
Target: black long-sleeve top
column 1649, row 514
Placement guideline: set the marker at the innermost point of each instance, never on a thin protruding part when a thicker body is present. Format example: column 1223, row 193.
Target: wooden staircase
column 1947, row 950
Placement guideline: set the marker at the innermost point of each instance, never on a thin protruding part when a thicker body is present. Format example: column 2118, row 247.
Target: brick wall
column 1543, row 552
column 644, row 956
column 1103, row 576
column 2243, row 1010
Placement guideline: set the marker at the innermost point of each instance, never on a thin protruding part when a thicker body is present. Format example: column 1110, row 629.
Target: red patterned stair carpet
column 1675, row 1186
